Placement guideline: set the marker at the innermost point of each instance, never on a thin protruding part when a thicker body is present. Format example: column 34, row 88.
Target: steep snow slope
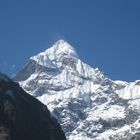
column 87, row 104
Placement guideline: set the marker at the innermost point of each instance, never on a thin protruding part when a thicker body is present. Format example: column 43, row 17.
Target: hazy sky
column 105, row 33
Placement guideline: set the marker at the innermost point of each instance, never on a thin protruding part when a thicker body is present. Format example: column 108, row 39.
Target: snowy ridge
column 87, row 103
column 131, row 91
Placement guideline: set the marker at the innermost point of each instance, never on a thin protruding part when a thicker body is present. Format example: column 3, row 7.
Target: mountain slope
column 87, row 103
column 23, row 117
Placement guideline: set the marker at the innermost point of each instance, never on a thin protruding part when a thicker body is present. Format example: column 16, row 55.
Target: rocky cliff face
column 22, row 117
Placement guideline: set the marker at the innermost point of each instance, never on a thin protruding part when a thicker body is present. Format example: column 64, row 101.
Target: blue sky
column 105, row 33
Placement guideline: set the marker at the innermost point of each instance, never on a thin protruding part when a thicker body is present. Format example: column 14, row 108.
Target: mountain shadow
column 22, row 117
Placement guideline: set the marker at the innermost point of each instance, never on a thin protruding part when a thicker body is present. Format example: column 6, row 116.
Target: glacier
column 87, row 104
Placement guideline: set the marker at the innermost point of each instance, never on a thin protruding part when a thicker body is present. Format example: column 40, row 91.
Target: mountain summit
column 87, row 103
column 60, row 50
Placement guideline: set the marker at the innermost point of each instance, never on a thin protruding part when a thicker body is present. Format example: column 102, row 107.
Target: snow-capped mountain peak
column 60, row 50
column 87, row 103
column 62, row 69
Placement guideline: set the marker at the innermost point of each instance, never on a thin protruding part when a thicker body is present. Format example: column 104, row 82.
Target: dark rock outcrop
column 22, row 117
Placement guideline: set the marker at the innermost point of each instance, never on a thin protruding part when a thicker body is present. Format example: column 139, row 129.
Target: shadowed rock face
column 22, row 117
